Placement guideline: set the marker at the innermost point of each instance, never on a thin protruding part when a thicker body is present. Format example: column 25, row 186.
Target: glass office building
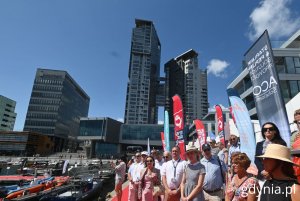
column 24, row 143
column 143, row 75
column 100, row 136
column 56, row 105
column 287, row 63
column 7, row 114
column 138, row 134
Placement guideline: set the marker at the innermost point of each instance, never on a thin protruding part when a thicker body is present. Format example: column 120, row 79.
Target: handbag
column 159, row 190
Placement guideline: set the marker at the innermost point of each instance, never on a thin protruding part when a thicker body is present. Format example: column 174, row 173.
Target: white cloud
column 160, row 122
column 217, row 67
column 120, row 120
column 275, row 16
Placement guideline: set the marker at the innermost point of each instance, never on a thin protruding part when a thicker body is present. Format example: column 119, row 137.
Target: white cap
column 232, row 128
column 145, row 153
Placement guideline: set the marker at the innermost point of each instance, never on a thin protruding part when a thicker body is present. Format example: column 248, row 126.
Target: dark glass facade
column 105, row 149
column 174, row 84
column 92, row 128
column 143, row 132
column 24, row 143
column 105, row 129
column 102, row 135
column 186, row 79
column 56, row 104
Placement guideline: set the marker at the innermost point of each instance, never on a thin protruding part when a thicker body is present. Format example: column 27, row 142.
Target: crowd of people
column 216, row 173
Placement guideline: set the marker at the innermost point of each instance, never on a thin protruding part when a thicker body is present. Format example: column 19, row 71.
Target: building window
column 285, row 90
column 279, row 63
column 294, row 88
column 290, row 64
column 297, row 64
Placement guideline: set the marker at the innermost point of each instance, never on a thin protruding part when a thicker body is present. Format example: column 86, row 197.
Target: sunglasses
column 232, row 138
column 149, row 161
column 266, row 129
column 165, row 156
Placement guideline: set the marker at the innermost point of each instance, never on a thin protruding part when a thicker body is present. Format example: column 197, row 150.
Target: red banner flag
column 178, row 124
column 162, row 135
column 200, row 132
column 220, row 122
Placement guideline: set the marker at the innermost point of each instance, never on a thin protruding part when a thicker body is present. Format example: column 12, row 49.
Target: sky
column 91, row 41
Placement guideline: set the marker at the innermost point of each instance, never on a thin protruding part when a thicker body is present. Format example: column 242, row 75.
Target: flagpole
column 148, row 148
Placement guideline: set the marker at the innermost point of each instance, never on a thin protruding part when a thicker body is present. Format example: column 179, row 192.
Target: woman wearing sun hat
column 193, row 177
column 283, row 184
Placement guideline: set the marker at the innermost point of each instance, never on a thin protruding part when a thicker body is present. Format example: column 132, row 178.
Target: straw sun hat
column 279, row 152
column 191, row 148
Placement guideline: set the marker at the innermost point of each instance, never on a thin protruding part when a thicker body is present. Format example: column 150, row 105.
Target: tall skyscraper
column 185, row 78
column 56, row 105
column 144, row 69
column 7, row 114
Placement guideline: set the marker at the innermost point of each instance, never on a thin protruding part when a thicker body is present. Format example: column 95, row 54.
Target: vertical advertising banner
column 231, row 113
column 200, row 132
column 178, row 124
column 167, row 131
column 266, row 91
column 148, row 147
column 220, row 122
column 243, row 124
column 162, row 135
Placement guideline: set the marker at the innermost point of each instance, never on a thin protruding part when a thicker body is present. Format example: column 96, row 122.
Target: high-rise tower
column 144, row 69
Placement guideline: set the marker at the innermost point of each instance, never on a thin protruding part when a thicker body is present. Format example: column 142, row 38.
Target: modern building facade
column 100, row 136
column 287, row 64
column 185, row 78
column 7, row 114
column 144, row 69
column 56, row 105
column 138, row 134
column 25, row 143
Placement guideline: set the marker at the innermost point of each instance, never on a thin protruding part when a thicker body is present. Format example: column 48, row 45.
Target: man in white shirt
column 172, row 173
column 167, row 156
column 159, row 161
column 134, row 173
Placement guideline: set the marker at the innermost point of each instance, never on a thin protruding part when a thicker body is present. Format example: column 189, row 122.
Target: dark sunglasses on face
column 166, row 156
column 270, row 129
column 232, row 138
column 149, row 161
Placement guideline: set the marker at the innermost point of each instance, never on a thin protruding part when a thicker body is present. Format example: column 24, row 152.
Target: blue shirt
column 213, row 179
